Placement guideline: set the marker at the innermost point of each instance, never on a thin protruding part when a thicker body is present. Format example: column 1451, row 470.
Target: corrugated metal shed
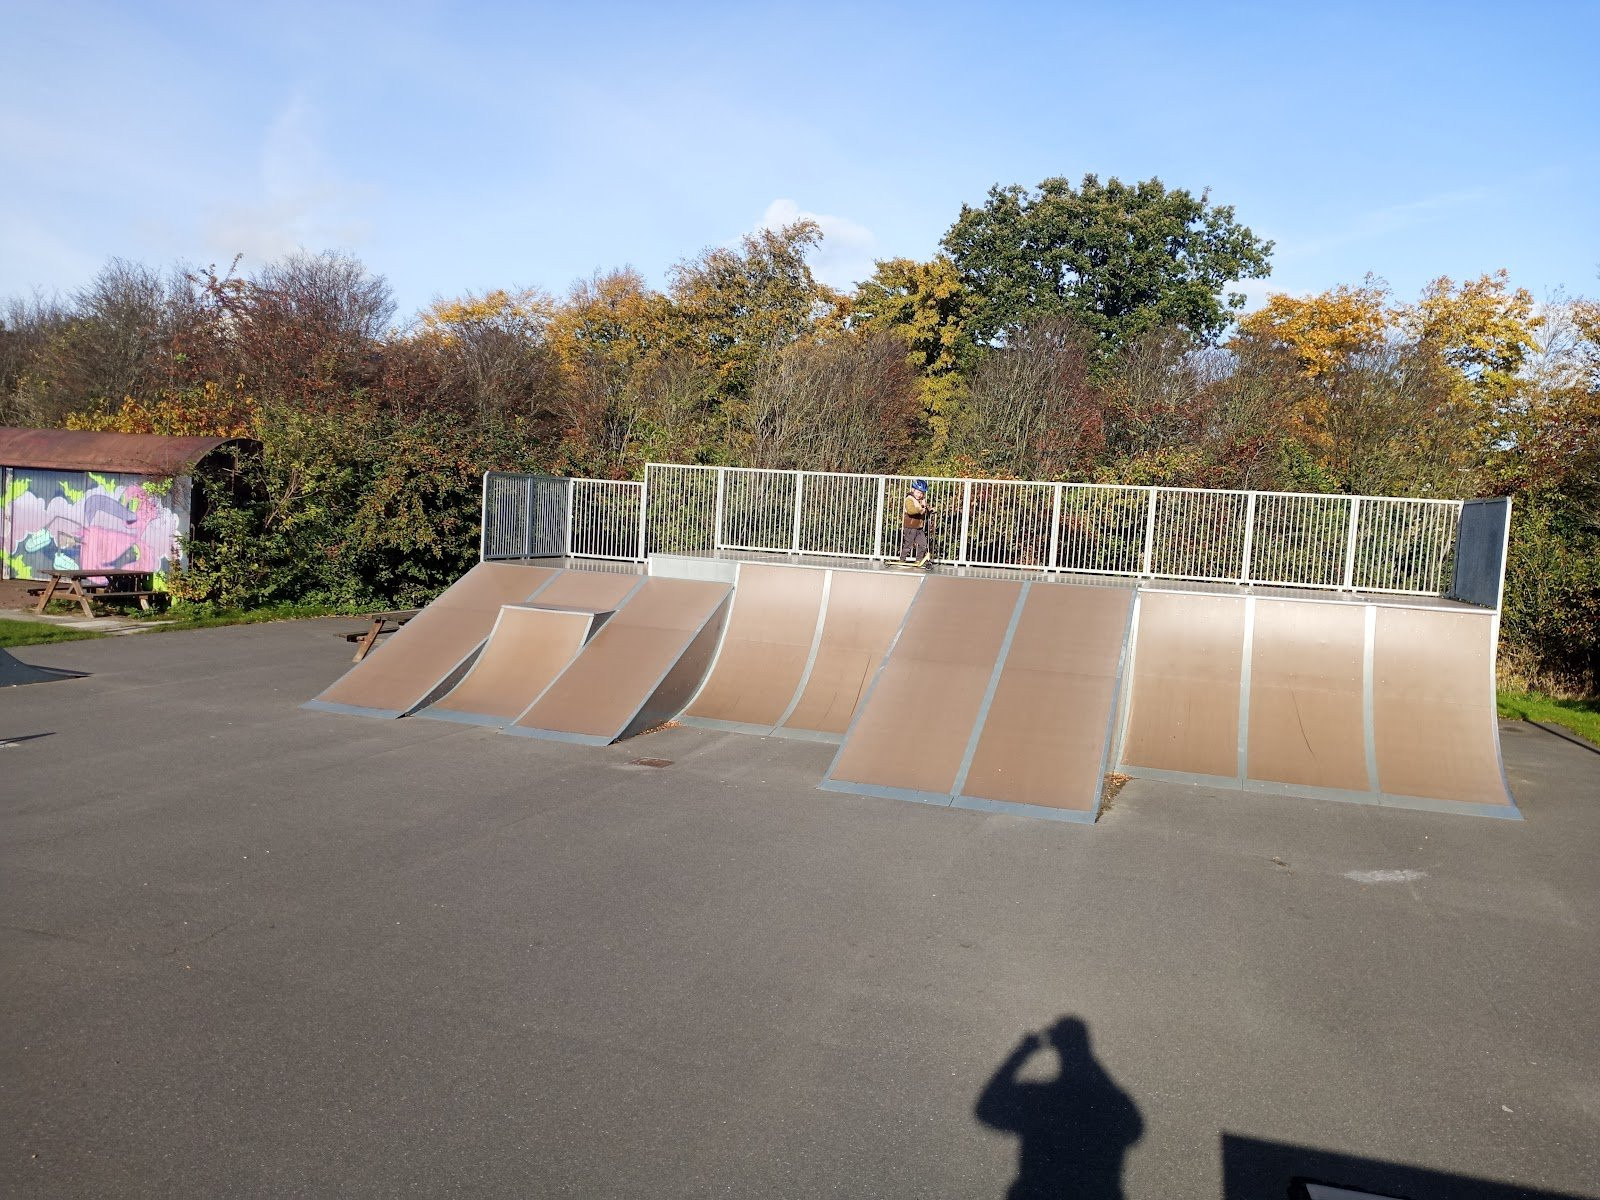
column 128, row 453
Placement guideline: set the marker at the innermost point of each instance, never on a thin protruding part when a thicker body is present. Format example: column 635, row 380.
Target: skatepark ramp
column 990, row 691
column 425, row 657
column 570, row 655
column 996, row 695
column 1384, row 703
column 638, row 671
column 531, row 644
column 1020, row 694
column 802, row 645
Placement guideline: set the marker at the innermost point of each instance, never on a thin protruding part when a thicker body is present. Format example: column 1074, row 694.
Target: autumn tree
column 304, row 329
column 1034, row 410
column 1155, row 397
column 490, row 354
column 1118, row 258
column 844, row 403
column 1324, row 331
column 609, row 336
column 1482, row 332
column 734, row 306
column 925, row 306
column 1392, row 424
column 1403, row 397
column 1550, row 456
column 115, row 342
column 1248, row 438
column 27, row 326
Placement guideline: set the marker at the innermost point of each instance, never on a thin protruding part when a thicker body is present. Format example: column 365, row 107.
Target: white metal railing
column 606, row 518
column 1372, row 544
column 1353, row 543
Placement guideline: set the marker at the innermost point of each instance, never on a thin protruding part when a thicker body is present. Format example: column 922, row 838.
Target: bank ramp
column 638, row 670
column 530, row 645
column 1381, row 703
column 427, row 655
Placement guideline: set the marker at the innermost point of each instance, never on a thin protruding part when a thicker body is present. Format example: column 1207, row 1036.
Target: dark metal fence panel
column 524, row 516
column 1480, row 559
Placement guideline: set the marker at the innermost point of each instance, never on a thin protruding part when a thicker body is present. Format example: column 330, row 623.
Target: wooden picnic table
column 380, row 622
column 84, row 585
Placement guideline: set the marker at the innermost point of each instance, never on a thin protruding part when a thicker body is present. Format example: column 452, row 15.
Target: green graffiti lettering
column 16, row 490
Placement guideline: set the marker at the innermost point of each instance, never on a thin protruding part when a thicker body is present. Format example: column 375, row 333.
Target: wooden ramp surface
column 865, row 611
column 912, row 731
column 1046, row 735
column 530, row 645
column 527, row 650
column 426, row 655
column 800, row 648
column 998, row 695
column 766, row 647
column 1364, row 702
column 638, row 670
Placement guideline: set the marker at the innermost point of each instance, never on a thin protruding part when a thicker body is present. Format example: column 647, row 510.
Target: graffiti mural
column 80, row 520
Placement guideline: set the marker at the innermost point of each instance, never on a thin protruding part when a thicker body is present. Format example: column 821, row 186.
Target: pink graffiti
column 122, row 526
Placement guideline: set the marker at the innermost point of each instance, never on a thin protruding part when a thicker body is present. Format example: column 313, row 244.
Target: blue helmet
column 919, row 485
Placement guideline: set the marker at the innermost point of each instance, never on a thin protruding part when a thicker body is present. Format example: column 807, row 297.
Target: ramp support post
column 716, row 516
column 572, row 485
column 1149, row 533
column 966, row 517
column 1249, row 536
column 527, row 518
column 877, row 528
column 799, row 497
column 644, row 510
column 1348, row 584
column 1055, row 526
column 483, row 519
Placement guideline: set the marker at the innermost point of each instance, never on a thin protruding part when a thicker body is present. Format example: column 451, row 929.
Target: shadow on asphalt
column 1075, row 1130
column 1253, row 1168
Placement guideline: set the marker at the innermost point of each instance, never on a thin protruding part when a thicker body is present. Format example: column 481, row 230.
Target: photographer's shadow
column 1075, row 1129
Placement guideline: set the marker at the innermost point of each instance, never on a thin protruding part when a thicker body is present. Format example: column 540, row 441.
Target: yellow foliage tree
column 523, row 312
column 739, row 305
column 207, row 410
column 1327, row 330
column 1483, row 330
column 926, row 306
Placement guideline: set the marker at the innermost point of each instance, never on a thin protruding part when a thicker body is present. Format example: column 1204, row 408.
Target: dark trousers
column 913, row 542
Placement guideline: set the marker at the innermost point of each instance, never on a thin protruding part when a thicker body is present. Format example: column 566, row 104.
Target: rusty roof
column 80, row 450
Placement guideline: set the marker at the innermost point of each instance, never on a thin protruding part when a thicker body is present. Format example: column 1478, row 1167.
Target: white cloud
column 1254, row 291
column 301, row 200
column 848, row 251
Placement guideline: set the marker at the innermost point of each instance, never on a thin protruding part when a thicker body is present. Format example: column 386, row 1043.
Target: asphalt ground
column 251, row 950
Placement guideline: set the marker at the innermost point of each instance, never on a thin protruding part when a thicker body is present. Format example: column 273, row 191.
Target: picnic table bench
column 378, row 623
column 90, row 583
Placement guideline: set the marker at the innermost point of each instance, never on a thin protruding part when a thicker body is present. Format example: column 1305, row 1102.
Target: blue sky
column 461, row 147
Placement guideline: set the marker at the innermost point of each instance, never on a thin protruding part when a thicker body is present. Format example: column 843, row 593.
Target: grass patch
column 37, row 633
column 1580, row 716
column 204, row 616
